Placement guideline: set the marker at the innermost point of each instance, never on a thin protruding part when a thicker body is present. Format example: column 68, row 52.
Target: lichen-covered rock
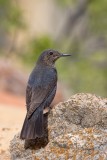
column 77, row 130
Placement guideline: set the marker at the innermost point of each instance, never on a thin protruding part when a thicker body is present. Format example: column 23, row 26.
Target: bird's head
column 49, row 57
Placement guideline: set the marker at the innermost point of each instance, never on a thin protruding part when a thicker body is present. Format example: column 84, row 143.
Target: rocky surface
column 77, row 130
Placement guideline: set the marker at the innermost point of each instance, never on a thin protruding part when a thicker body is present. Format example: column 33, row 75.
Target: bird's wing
column 37, row 95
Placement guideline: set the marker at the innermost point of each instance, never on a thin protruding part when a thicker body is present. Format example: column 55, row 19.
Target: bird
column 40, row 92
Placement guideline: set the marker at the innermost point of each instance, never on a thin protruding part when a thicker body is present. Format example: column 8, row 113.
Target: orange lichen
column 36, row 158
column 89, row 130
column 58, row 151
column 101, row 157
column 74, row 155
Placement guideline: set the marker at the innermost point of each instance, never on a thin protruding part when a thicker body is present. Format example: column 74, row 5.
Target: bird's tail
column 33, row 127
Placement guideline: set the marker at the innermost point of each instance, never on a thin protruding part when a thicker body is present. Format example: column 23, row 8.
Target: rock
column 77, row 130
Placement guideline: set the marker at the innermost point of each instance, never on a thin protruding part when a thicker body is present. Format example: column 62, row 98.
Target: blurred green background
column 77, row 27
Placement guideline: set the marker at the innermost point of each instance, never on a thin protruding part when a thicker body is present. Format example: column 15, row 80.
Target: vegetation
column 10, row 15
column 86, row 70
column 36, row 45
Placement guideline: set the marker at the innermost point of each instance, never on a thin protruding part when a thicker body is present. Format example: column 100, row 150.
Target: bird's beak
column 65, row 55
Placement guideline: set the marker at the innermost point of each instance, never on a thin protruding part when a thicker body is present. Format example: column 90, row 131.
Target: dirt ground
column 12, row 113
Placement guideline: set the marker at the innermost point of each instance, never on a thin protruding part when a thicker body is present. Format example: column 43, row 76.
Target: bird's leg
column 46, row 110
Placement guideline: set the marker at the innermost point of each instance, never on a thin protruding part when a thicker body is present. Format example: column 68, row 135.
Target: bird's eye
column 51, row 53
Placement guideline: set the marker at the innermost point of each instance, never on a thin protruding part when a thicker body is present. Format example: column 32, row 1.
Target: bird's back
column 42, row 76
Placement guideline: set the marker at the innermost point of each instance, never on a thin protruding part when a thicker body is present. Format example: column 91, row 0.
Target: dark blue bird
column 40, row 92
